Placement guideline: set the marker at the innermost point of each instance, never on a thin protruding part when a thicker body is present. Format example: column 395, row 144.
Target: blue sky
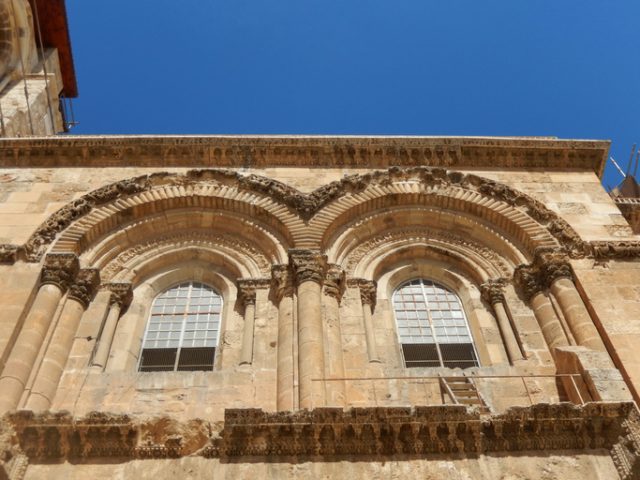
column 567, row 68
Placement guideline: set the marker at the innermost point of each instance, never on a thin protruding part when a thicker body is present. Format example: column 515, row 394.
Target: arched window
column 182, row 332
column 432, row 327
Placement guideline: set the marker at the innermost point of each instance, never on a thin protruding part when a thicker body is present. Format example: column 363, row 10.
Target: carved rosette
column 334, row 282
column 527, row 279
column 121, row 294
column 368, row 290
column 59, row 269
column 281, row 282
column 492, row 291
column 307, row 265
column 85, row 286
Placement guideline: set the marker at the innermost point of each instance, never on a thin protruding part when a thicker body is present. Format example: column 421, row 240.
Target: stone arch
column 80, row 224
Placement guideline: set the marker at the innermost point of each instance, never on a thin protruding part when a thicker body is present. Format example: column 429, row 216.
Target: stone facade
column 306, row 239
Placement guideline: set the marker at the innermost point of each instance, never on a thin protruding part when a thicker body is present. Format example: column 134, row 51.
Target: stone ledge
column 305, row 151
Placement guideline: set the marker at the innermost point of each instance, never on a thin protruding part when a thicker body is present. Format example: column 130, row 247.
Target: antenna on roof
column 633, row 150
column 635, row 170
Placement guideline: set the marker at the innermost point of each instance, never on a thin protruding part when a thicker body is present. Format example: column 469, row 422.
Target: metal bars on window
column 432, row 326
column 182, row 332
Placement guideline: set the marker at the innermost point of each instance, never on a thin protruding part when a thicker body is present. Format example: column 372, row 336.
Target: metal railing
column 560, row 387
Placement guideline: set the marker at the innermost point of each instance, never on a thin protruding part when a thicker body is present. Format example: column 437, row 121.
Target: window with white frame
column 432, row 326
column 183, row 329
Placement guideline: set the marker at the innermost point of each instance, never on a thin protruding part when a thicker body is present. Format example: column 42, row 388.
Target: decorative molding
column 615, row 250
column 333, row 432
column 368, row 290
column 183, row 240
column 428, row 236
column 307, row 265
column 59, row 269
column 306, row 151
column 548, row 266
column 334, row 281
column 527, row 279
column 307, row 205
column 121, row 293
column 85, row 285
column 281, row 282
column 492, row 291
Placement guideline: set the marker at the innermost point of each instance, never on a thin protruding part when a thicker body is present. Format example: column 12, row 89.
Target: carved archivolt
column 371, row 249
column 267, row 197
column 253, row 259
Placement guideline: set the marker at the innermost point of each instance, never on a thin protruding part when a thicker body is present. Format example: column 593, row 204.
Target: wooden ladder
column 462, row 391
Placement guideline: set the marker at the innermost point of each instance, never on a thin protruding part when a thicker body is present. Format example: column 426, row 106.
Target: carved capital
column 247, row 289
column 307, row 265
column 121, row 294
column 492, row 291
column 59, row 269
column 281, row 282
column 85, row 286
column 527, row 279
column 368, row 290
column 552, row 266
column 334, row 282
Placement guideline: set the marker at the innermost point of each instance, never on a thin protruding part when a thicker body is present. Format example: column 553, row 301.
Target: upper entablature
column 247, row 151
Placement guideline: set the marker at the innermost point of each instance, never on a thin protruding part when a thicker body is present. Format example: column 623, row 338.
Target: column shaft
column 285, row 401
column 25, row 350
column 55, row 358
column 106, row 338
column 246, row 355
column 576, row 314
column 372, row 349
column 548, row 320
column 310, row 345
column 510, row 342
column 335, row 388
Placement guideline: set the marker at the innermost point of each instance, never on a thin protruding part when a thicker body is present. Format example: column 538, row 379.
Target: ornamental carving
column 121, row 294
column 8, row 253
column 527, row 279
column 492, row 291
column 307, row 205
column 368, row 290
column 85, row 286
column 247, row 289
column 618, row 250
column 334, row 282
column 431, row 237
column 553, row 266
column 307, row 265
column 59, row 269
column 281, row 282
column 185, row 240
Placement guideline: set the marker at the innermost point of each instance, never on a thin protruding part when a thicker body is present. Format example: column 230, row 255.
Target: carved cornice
column 368, row 290
column 334, row 432
column 492, row 291
column 307, row 205
column 281, row 282
column 85, row 285
column 247, row 289
column 334, row 281
column 59, row 269
column 306, row 151
column 307, row 265
column 121, row 294
column 615, row 250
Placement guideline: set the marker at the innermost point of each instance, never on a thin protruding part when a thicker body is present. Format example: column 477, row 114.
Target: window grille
column 432, row 326
column 182, row 332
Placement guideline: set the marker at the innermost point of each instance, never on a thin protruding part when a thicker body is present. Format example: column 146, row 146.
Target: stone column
column 526, row 277
column 119, row 300
column 282, row 293
column 557, row 275
column 81, row 293
column 247, row 297
column 368, row 292
column 57, row 273
column 334, row 283
column 309, row 268
column 493, row 293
